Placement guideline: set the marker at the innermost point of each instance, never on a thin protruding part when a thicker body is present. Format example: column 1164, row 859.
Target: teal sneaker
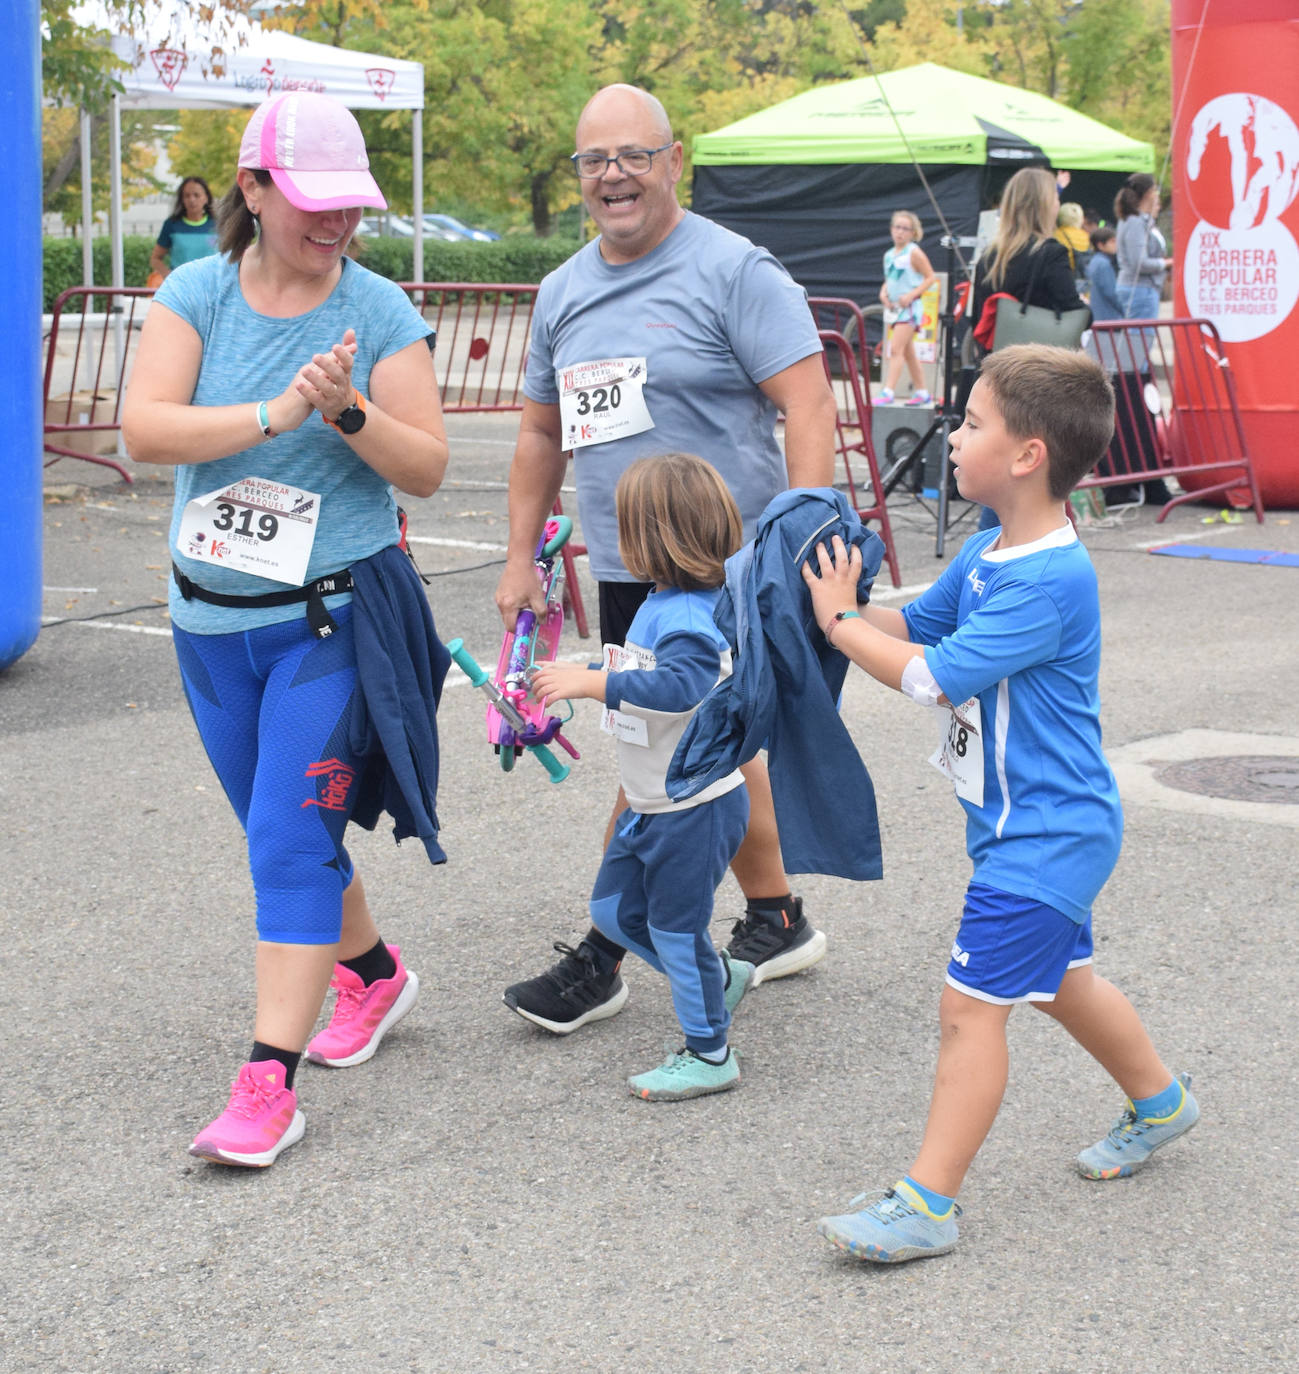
column 683, row 1075
column 739, row 979
column 1132, row 1139
column 895, row 1226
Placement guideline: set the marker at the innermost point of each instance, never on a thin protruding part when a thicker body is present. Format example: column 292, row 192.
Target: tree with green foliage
column 79, row 71
column 506, row 79
column 1109, row 59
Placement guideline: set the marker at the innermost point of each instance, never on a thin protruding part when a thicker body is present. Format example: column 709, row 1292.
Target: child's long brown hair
column 677, row 522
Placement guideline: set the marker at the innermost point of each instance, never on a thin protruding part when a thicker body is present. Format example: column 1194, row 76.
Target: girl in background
column 907, row 276
column 189, row 232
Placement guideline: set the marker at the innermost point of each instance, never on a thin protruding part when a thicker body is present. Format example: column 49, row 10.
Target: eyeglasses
column 633, row 163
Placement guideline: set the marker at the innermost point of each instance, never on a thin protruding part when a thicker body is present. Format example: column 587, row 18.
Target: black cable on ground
column 101, row 615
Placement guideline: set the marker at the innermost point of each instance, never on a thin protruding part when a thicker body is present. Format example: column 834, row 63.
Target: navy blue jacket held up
column 784, row 690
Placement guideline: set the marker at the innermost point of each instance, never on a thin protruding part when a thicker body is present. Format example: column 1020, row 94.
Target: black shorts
column 619, row 602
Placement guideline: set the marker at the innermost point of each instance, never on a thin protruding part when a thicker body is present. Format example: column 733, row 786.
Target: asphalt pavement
column 482, row 1196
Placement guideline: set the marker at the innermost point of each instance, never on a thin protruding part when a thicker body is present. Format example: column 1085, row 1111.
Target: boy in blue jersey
column 1006, row 646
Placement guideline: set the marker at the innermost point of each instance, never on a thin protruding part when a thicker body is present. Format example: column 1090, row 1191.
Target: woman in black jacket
column 1024, row 258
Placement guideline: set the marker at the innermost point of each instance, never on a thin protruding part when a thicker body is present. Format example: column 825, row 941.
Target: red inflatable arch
column 1235, row 161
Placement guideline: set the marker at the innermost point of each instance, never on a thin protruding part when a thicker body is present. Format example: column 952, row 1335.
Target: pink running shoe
column 363, row 1016
column 261, row 1120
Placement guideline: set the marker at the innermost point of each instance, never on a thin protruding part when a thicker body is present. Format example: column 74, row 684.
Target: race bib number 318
column 959, row 756
column 603, row 400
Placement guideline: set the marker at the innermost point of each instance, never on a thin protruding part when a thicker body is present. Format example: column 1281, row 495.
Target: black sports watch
column 351, row 420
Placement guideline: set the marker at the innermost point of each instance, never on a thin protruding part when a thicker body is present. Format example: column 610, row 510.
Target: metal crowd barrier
column 840, row 315
column 87, row 358
column 1176, row 413
column 853, row 436
column 481, row 353
column 482, row 340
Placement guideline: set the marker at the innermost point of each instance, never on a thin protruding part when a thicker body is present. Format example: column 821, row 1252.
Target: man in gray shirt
column 665, row 334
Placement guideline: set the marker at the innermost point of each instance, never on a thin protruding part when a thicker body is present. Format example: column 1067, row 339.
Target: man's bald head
column 620, row 99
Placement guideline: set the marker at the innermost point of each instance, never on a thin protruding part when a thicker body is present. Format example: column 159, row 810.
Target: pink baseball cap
column 312, row 146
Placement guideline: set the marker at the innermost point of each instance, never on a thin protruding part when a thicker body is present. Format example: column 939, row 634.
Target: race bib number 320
column 603, row 400
column 253, row 526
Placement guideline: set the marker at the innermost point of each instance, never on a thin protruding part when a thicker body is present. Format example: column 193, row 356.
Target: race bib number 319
column 603, row 400
column 253, row 526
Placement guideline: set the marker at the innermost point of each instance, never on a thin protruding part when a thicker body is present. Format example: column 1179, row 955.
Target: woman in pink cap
column 294, row 390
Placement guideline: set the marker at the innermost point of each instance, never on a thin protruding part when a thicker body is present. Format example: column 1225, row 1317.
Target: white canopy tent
column 171, row 68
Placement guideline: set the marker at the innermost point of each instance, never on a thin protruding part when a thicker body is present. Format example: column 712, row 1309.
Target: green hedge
column 521, row 259
column 511, row 259
column 63, row 263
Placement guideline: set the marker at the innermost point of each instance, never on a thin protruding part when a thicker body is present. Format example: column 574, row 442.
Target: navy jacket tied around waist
column 400, row 666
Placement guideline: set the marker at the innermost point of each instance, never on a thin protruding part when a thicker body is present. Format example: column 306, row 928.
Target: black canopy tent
column 816, row 178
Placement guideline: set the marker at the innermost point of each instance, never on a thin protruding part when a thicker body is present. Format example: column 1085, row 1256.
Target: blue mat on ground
column 1272, row 556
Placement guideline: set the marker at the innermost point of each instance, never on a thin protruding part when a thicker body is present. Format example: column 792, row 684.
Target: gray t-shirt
column 248, row 358
column 713, row 316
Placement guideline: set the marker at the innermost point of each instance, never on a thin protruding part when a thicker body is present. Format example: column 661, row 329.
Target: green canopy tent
column 815, row 178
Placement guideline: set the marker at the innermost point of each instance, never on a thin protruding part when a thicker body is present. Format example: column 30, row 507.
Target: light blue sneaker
column 683, row 1075
column 739, row 979
column 1132, row 1139
column 896, row 1226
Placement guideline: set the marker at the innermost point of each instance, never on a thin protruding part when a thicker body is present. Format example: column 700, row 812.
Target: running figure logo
column 1242, row 168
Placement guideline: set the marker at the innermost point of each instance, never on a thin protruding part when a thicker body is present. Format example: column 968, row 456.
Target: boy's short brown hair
column 677, row 522
column 1058, row 395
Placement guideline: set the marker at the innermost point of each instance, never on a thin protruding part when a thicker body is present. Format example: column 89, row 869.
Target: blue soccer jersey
column 1020, row 630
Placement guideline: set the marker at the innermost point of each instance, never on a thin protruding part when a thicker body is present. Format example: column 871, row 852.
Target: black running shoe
column 776, row 943
column 577, row 990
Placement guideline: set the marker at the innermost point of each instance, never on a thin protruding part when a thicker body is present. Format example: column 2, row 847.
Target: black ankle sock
column 288, row 1058
column 610, row 955
column 373, row 965
column 773, row 906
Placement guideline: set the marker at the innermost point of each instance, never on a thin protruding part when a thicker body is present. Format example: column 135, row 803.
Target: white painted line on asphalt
column 70, row 589
column 454, row 543
column 475, row 439
column 482, row 484
column 894, row 593
column 463, row 544
column 456, row 678
column 104, row 625
column 1185, row 538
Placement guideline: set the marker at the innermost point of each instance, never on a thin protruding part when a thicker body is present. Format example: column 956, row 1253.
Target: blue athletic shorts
column 1010, row 949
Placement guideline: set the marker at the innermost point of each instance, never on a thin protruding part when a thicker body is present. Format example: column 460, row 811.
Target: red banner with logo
column 1235, row 160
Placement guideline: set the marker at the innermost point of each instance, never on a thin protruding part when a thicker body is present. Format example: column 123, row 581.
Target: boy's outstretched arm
column 878, row 641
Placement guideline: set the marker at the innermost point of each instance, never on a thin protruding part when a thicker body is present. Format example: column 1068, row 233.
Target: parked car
column 403, row 227
column 444, row 227
column 459, row 228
